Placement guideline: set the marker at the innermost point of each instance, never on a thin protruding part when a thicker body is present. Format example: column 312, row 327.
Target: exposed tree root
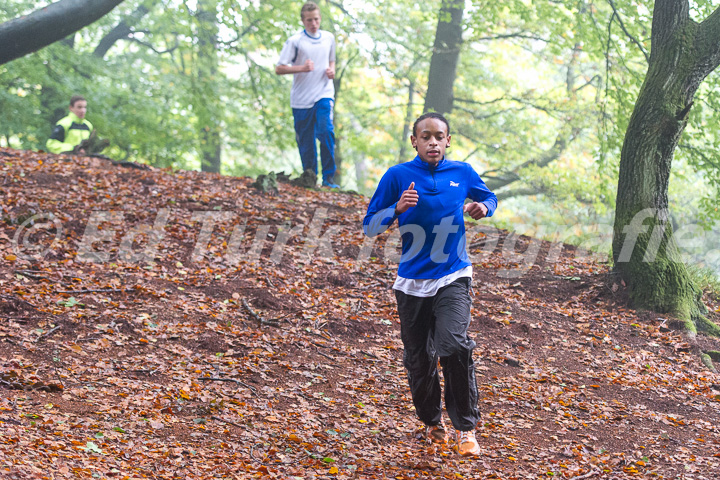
column 700, row 323
column 714, row 355
column 707, row 361
column 707, row 326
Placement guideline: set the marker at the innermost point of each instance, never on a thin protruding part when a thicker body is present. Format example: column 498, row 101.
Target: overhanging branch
column 151, row 47
column 505, row 178
column 520, row 192
column 526, row 36
column 47, row 25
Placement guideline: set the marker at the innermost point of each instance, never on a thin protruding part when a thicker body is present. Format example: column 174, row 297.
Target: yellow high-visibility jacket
column 68, row 133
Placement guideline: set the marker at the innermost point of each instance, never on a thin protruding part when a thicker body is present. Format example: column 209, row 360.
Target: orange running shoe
column 467, row 444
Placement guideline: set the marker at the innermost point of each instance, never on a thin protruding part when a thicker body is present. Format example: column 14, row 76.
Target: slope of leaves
column 229, row 362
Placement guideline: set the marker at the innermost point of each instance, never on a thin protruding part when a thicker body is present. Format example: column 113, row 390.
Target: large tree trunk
column 207, row 96
column 645, row 253
column 47, row 25
column 444, row 61
column 339, row 138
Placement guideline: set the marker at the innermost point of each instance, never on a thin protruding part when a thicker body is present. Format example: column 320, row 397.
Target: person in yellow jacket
column 74, row 134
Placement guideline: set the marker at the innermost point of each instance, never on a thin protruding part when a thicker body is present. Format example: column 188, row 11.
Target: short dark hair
column 308, row 7
column 76, row 98
column 427, row 115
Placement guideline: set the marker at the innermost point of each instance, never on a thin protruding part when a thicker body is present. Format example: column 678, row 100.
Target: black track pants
column 432, row 328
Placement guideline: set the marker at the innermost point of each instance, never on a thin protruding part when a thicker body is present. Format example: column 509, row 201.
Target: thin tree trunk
column 337, row 84
column 207, row 96
column 50, row 24
column 644, row 250
column 445, row 56
column 407, row 124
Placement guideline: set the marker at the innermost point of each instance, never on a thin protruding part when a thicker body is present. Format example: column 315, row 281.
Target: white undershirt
column 428, row 287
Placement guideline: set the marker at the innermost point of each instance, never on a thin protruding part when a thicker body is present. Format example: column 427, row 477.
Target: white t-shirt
column 309, row 87
column 428, row 287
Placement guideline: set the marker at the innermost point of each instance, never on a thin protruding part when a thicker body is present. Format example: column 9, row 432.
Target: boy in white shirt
column 310, row 57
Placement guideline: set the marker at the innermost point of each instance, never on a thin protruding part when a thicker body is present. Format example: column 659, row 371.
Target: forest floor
column 229, row 356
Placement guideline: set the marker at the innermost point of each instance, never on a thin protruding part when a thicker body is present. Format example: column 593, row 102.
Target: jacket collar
column 75, row 118
column 426, row 166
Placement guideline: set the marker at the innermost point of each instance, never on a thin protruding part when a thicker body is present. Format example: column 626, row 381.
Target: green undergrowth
column 706, row 279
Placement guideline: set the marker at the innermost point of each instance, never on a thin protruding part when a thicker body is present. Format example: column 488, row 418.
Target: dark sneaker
column 436, row 433
column 329, row 184
column 467, row 444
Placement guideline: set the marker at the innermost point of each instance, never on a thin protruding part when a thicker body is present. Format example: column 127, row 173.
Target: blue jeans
column 316, row 123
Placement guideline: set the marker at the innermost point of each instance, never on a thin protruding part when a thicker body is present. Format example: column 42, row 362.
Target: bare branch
column 475, row 102
column 245, row 31
column 700, row 153
column 260, row 320
column 121, row 30
column 238, row 382
column 151, row 47
column 595, row 78
column 98, row 290
column 520, row 192
column 510, row 176
column 341, row 8
column 527, row 36
column 622, row 25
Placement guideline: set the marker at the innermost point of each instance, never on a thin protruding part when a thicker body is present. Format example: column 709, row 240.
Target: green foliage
column 531, row 74
column 706, row 279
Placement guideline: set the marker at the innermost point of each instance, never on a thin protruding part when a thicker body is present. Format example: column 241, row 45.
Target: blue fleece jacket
column 433, row 231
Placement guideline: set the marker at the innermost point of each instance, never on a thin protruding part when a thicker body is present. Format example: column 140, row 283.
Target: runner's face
column 79, row 109
column 311, row 21
column 431, row 141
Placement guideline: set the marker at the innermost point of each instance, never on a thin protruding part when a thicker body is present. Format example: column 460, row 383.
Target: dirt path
column 229, row 362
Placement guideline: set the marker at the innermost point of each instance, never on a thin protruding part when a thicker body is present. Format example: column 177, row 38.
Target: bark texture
column 444, row 61
column 683, row 53
column 39, row 29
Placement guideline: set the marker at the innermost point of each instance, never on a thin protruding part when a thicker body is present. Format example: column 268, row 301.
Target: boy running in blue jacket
column 427, row 197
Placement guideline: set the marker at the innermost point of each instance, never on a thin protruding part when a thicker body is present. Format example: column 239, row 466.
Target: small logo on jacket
column 453, row 184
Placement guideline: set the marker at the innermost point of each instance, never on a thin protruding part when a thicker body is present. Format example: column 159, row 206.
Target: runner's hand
column 476, row 210
column 409, row 198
